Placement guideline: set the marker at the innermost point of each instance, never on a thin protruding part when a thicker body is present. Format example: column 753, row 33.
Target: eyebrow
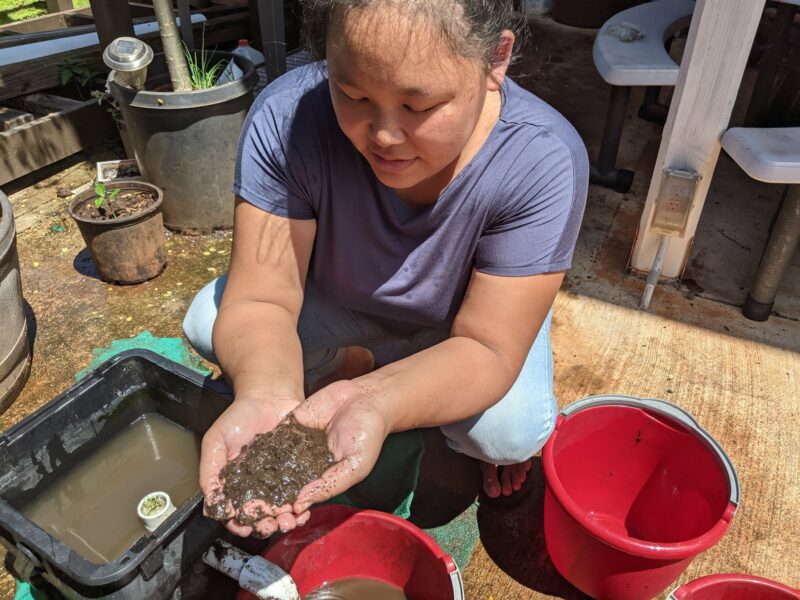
column 409, row 91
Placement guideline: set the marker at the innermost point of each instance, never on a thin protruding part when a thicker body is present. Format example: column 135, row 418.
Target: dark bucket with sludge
column 129, row 428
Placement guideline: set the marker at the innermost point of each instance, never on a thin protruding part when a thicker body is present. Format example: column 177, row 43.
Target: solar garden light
column 130, row 58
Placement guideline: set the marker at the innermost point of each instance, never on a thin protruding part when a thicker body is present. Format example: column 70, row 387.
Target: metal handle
column 670, row 411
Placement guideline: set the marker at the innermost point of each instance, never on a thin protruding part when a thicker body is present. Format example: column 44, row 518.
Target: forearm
column 258, row 349
column 448, row 382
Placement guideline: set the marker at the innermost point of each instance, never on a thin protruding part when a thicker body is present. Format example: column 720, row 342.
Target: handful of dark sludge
column 273, row 467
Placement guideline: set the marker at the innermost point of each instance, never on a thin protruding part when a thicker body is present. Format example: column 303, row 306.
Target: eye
column 422, row 110
column 351, row 98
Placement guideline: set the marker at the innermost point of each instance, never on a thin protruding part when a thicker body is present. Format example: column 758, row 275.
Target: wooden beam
column 43, row 104
column 11, row 118
column 45, row 22
column 113, row 20
column 720, row 37
column 46, row 140
column 40, row 74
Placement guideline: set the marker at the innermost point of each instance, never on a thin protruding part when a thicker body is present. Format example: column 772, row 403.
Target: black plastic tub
column 50, row 442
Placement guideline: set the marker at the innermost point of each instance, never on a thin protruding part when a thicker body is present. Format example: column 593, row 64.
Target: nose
column 386, row 130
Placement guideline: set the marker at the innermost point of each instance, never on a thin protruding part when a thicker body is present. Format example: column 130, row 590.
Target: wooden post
column 270, row 17
column 56, row 6
column 720, row 37
column 185, row 14
column 113, row 20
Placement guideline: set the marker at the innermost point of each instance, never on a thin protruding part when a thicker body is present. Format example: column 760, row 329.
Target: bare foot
column 509, row 480
column 358, row 361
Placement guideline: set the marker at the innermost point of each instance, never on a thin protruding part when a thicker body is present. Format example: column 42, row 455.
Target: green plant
column 202, row 73
column 113, row 105
column 106, row 196
column 75, row 70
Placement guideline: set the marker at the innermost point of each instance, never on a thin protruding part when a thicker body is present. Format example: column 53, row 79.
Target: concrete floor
column 693, row 348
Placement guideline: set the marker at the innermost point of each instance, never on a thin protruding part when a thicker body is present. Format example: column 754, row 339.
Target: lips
column 391, row 164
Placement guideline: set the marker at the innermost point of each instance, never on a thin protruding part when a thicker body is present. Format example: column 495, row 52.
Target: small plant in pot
column 122, row 226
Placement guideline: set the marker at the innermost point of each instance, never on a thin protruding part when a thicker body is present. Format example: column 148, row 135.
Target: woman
column 404, row 217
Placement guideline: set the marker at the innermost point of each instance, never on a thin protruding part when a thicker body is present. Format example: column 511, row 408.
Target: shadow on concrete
column 514, row 540
column 84, row 264
column 32, row 323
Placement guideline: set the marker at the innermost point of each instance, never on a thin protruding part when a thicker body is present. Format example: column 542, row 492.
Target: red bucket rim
column 712, row 580
column 341, row 513
column 643, row 548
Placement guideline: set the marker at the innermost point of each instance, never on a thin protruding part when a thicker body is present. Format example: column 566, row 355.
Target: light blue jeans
column 510, row 431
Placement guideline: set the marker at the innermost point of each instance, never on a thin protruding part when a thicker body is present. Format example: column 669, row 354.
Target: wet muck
column 273, row 467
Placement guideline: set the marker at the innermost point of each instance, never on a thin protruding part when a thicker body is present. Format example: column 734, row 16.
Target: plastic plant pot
column 340, row 542
column 731, row 586
column 129, row 249
column 635, row 489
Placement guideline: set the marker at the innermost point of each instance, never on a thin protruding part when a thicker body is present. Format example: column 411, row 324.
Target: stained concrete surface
column 693, row 348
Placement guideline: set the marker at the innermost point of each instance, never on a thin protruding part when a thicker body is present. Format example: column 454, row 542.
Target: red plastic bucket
column 734, row 587
column 635, row 490
column 340, row 542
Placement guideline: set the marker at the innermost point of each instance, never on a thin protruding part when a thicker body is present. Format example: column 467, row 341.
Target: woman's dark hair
column 471, row 28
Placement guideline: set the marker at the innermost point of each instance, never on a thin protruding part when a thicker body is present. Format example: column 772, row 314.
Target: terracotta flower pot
column 129, row 249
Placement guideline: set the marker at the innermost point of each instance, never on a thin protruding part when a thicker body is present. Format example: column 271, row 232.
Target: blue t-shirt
column 514, row 209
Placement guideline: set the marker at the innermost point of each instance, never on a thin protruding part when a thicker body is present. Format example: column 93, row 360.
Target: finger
column 258, row 509
column 265, row 527
column 303, row 518
column 216, row 506
column 237, row 529
column 316, row 411
column 279, row 510
column 286, row 522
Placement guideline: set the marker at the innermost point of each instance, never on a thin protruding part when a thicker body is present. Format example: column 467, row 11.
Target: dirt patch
column 274, row 467
column 123, row 204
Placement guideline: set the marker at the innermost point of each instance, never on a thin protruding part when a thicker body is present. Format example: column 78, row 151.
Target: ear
column 500, row 60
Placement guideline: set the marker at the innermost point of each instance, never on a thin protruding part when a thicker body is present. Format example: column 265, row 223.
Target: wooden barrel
column 15, row 354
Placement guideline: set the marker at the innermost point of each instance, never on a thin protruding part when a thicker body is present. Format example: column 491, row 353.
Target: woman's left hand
column 356, row 430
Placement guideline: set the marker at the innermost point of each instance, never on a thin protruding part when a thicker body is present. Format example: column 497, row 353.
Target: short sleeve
column 270, row 173
column 537, row 211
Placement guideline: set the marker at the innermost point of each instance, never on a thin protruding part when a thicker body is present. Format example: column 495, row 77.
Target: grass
column 12, row 11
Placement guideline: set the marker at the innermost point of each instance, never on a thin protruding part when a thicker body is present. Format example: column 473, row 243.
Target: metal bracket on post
column 670, row 217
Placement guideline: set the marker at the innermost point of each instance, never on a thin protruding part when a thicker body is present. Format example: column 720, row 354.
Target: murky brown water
column 357, row 588
column 92, row 508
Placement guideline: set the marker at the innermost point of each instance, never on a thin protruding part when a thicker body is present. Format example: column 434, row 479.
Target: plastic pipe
column 154, row 509
column 654, row 274
column 254, row 573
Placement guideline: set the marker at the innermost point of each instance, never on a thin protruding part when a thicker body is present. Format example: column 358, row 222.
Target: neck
column 427, row 192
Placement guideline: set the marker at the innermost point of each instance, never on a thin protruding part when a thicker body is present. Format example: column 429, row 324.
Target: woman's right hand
column 235, row 428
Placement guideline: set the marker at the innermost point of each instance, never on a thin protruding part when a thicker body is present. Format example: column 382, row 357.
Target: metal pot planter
column 185, row 142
